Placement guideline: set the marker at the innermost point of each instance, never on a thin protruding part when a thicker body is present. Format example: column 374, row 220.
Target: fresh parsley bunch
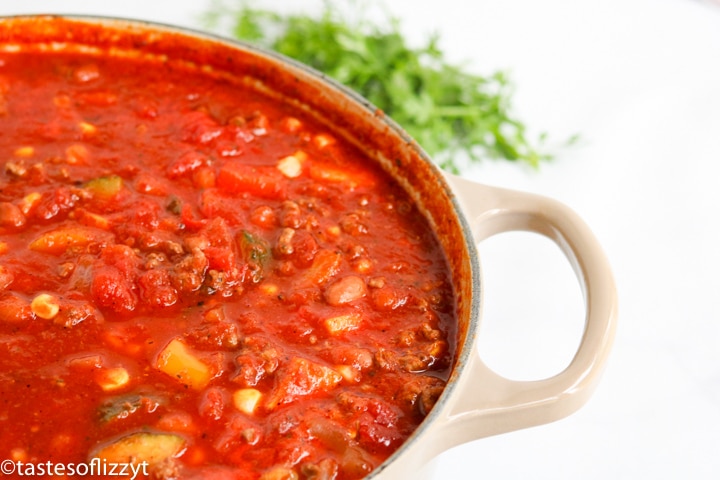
column 446, row 109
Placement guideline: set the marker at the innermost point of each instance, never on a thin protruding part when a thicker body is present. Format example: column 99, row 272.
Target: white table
column 640, row 81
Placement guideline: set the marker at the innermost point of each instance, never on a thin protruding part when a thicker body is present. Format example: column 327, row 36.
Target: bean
column 345, row 290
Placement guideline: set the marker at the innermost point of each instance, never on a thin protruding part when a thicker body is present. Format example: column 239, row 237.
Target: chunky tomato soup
column 201, row 278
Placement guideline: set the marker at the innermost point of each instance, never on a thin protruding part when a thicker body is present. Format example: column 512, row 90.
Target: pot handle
column 488, row 403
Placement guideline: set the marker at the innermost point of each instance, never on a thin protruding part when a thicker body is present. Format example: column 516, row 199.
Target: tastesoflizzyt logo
column 95, row 467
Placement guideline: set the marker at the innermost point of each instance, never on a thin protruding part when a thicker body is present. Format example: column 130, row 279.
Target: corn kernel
column 3, row 247
column 348, row 373
column 87, row 128
column 113, row 379
column 76, row 154
column 291, row 166
column 24, row 152
column 246, row 400
column 291, row 124
column 322, row 140
column 45, row 306
column 269, row 289
column 363, row 265
column 334, row 230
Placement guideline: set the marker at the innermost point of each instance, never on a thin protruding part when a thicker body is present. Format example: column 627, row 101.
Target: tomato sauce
column 199, row 277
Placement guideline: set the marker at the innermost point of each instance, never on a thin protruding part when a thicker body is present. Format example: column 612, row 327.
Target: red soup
column 201, row 279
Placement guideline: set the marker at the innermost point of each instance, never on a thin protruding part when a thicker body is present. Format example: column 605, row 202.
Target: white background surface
column 640, row 81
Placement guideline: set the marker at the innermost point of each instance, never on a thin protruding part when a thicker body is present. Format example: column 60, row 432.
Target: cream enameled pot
column 477, row 402
column 480, row 403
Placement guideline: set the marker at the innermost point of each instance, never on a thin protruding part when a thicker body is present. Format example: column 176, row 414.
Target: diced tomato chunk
column 14, row 309
column 6, row 278
column 189, row 219
column 156, row 289
column 375, row 435
column 200, row 128
column 251, row 369
column 216, row 204
column 302, row 377
column 121, row 257
column 187, row 163
column 305, row 247
column 218, row 233
column 325, row 265
column 151, row 185
column 55, row 203
column 177, row 422
column 212, row 403
column 111, row 290
column 264, row 182
column 220, row 258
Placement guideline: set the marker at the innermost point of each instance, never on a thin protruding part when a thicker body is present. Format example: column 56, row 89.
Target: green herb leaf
column 256, row 252
column 125, row 405
column 450, row 112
